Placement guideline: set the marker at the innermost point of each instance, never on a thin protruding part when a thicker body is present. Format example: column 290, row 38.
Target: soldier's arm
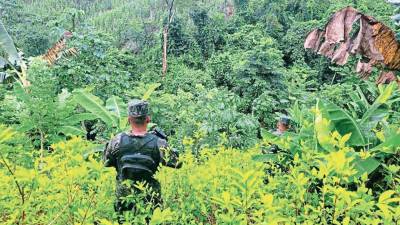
column 110, row 149
column 173, row 156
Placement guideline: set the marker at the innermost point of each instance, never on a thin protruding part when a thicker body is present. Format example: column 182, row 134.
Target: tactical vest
column 138, row 157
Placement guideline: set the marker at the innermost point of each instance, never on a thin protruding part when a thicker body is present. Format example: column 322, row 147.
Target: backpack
column 138, row 157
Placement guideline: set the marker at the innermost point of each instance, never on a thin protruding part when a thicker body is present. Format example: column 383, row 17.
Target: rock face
column 350, row 32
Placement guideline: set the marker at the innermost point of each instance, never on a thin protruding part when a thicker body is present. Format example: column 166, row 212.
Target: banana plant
column 113, row 112
column 18, row 66
column 341, row 121
column 13, row 58
column 361, row 128
column 330, row 117
column 3, row 75
column 69, row 126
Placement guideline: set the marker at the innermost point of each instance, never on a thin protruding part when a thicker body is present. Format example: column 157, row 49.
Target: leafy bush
column 251, row 66
column 221, row 186
column 211, row 114
column 184, row 78
column 58, row 188
column 227, row 191
column 98, row 64
column 40, row 110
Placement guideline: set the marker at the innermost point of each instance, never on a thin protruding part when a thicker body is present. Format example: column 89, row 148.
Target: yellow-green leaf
column 386, row 196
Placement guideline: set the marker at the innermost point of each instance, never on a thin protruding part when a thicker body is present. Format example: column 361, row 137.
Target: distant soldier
column 136, row 155
column 282, row 163
column 282, row 126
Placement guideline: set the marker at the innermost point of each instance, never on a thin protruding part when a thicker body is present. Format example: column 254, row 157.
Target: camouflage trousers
column 151, row 195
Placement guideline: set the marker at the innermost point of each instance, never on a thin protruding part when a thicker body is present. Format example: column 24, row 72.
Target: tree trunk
column 170, row 5
column 165, row 46
column 226, row 9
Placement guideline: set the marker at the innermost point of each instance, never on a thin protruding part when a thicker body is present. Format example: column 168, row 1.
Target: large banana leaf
column 380, row 108
column 97, row 149
column 71, row 130
column 3, row 77
column 386, row 92
column 362, row 166
column 323, row 128
column 3, row 63
column 8, row 45
column 74, row 119
column 116, row 104
column 343, row 123
column 150, row 91
column 94, row 105
column 363, row 99
column 391, row 145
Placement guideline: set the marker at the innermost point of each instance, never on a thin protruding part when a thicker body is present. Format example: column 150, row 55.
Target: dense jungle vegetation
column 231, row 68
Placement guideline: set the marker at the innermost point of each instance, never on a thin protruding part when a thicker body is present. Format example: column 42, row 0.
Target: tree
column 204, row 32
column 171, row 12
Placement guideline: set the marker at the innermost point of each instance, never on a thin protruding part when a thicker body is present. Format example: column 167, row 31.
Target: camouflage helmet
column 138, row 108
column 285, row 120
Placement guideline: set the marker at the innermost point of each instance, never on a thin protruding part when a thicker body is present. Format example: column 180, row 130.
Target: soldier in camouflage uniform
column 286, row 158
column 136, row 155
column 281, row 127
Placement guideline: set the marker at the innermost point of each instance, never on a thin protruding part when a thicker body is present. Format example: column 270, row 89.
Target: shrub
column 212, row 114
column 181, row 77
column 99, row 64
column 41, row 109
column 59, row 188
column 219, row 186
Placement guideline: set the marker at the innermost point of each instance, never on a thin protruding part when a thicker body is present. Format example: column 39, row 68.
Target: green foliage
column 316, row 190
column 11, row 61
column 390, row 143
column 183, row 77
column 343, row 122
column 40, row 110
column 210, row 115
column 301, row 82
column 99, row 64
column 292, row 43
column 179, row 42
column 374, row 113
column 229, row 76
column 109, row 115
column 252, row 67
column 61, row 187
column 205, row 31
column 331, row 128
